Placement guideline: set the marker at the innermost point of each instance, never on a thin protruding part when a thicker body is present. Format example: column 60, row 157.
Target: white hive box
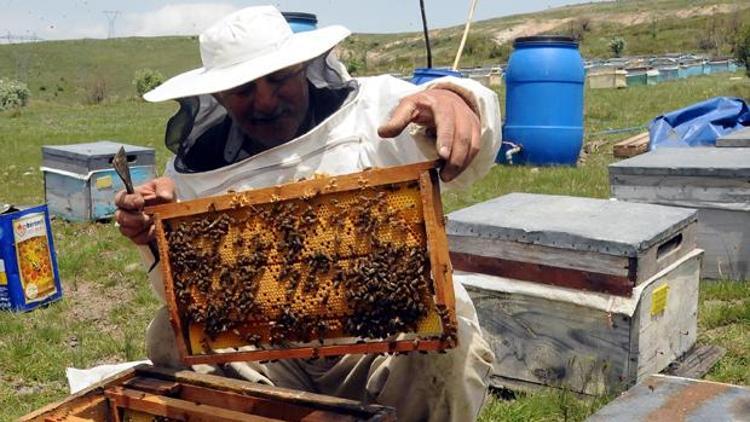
column 578, row 293
column 716, row 181
column 80, row 183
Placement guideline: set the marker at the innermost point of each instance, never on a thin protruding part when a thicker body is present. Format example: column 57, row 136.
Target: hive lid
column 585, row 224
column 738, row 138
column 94, row 149
column 702, row 162
column 82, row 158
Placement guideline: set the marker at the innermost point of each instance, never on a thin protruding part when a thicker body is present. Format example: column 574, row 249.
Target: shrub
column 146, row 79
column 617, row 46
column 742, row 48
column 97, row 91
column 13, row 94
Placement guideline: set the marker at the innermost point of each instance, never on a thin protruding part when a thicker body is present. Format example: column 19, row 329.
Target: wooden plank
column 372, row 347
column 257, row 406
column 305, row 188
column 284, row 395
column 82, row 398
column 175, row 408
column 546, row 274
column 540, row 254
column 153, row 385
column 697, row 362
column 632, row 146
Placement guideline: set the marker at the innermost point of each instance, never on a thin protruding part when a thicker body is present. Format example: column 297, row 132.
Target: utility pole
column 111, row 17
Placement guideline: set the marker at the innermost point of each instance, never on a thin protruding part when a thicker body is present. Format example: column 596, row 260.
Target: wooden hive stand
column 323, row 267
column 147, row 393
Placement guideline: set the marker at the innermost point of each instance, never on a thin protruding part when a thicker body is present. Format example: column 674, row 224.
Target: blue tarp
column 700, row 124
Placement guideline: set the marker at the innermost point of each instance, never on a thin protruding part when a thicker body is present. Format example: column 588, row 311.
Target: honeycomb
column 337, row 268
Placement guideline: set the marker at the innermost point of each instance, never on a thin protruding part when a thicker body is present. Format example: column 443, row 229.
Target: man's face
column 270, row 109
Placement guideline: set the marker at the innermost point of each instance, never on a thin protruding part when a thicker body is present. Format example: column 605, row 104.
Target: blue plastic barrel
column 544, row 101
column 426, row 74
column 301, row 22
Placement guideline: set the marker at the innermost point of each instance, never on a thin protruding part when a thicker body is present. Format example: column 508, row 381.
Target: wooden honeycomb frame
column 421, row 178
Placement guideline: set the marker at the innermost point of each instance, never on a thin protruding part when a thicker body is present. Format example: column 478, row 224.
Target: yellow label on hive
column 659, row 300
column 3, row 277
column 34, row 259
column 104, row 182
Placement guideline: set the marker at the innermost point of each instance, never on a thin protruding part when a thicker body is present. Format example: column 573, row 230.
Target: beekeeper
column 270, row 106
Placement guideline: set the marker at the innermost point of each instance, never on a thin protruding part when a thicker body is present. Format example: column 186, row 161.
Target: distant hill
column 73, row 71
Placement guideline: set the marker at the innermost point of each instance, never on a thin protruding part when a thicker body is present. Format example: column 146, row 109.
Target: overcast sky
column 66, row 19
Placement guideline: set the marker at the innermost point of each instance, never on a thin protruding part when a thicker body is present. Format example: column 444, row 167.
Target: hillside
column 77, row 71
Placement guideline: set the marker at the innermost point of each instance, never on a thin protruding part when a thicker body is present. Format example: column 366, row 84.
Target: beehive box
column 323, row 267
column 716, row 181
column 80, row 183
column 736, row 139
column 667, row 398
column 28, row 262
column 147, row 393
column 585, row 294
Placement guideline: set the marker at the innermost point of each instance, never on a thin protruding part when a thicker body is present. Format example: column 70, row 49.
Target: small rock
column 28, row 173
column 73, row 341
column 535, row 170
column 11, row 167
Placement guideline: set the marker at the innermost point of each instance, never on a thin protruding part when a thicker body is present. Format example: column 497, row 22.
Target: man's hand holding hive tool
column 134, row 223
column 446, row 115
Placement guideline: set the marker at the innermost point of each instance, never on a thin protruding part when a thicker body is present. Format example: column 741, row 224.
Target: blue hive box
column 80, row 183
column 28, row 263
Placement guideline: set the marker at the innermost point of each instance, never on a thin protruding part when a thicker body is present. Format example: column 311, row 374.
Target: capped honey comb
column 323, row 267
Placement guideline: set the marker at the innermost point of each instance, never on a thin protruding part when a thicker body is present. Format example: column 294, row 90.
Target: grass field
column 108, row 302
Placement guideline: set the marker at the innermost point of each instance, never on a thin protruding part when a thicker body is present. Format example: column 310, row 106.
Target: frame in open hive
column 330, row 266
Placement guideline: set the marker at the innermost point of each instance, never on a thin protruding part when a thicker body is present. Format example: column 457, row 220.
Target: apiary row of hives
column 328, row 266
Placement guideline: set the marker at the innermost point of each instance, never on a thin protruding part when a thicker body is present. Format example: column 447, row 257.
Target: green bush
column 617, row 46
column 146, row 79
column 13, row 94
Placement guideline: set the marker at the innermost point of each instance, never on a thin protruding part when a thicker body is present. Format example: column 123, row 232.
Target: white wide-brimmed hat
column 246, row 45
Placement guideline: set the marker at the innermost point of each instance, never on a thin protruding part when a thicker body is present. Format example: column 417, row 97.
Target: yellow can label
column 659, row 300
column 34, row 258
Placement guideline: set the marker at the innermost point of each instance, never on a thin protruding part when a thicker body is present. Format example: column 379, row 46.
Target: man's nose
column 264, row 98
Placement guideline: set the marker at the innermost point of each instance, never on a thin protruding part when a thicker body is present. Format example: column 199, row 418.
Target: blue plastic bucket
column 544, row 101
column 301, row 22
column 426, row 74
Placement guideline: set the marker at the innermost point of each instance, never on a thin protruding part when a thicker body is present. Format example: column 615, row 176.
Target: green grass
column 108, row 303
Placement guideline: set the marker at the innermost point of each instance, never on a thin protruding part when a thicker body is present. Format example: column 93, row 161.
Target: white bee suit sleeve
column 440, row 387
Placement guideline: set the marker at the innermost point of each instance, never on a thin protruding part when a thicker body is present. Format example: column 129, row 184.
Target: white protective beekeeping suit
column 440, row 387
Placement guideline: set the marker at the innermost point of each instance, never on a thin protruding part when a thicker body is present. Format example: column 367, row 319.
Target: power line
column 111, row 18
column 10, row 38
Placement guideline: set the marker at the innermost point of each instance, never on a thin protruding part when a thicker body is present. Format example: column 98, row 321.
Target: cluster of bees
column 385, row 285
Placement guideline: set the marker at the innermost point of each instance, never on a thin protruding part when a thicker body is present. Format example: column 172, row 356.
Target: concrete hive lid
column 701, row 162
column 585, row 224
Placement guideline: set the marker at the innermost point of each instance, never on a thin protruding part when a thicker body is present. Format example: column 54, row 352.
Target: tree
column 617, row 46
column 742, row 48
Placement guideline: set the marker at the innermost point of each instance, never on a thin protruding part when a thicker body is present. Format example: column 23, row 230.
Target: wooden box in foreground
column 323, row 267
column 716, row 181
column 579, row 293
column 147, row 393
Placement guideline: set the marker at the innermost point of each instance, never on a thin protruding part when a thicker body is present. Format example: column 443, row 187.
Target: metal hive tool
column 323, row 267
